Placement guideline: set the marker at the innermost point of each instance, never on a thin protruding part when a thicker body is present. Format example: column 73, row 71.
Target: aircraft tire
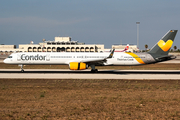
column 94, row 71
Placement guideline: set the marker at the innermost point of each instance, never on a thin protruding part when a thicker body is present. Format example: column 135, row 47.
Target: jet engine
column 78, row 66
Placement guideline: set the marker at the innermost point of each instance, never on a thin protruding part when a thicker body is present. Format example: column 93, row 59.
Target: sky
column 105, row 22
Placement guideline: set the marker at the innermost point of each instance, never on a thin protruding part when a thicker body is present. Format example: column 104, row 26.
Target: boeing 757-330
column 81, row 60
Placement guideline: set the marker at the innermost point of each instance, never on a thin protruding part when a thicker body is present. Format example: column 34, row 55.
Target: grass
column 43, row 99
column 89, row 99
column 157, row 66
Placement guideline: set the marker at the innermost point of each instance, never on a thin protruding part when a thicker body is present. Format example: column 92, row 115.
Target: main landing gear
column 22, row 70
column 93, row 70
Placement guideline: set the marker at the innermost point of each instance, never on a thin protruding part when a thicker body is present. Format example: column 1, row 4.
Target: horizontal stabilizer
column 165, row 58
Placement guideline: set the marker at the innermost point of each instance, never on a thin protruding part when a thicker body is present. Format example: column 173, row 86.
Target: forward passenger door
column 47, row 57
column 18, row 57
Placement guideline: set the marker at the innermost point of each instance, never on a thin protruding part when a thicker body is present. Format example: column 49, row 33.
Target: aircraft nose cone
column 5, row 61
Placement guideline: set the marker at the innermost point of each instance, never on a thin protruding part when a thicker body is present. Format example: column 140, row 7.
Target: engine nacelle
column 77, row 66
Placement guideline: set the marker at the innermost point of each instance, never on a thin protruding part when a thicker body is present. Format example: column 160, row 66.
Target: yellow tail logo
column 165, row 46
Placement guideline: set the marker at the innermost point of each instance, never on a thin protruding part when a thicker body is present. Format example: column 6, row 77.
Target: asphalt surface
column 86, row 74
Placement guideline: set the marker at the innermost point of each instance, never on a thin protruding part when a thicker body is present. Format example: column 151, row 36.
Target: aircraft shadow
column 99, row 72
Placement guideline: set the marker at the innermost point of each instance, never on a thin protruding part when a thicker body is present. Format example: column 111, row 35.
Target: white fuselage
column 119, row 58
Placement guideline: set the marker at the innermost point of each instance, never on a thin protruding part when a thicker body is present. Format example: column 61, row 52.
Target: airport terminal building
column 61, row 44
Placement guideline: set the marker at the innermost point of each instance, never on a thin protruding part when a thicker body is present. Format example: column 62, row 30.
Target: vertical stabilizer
column 164, row 44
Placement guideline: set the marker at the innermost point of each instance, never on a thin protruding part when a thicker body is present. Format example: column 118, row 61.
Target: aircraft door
column 18, row 57
column 48, row 57
column 148, row 57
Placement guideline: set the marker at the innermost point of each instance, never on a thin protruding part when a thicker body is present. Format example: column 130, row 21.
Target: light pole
column 138, row 33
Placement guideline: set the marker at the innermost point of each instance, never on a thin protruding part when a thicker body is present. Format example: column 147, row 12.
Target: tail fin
column 164, row 45
column 126, row 48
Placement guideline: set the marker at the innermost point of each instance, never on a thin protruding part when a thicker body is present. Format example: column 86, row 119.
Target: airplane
column 125, row 49
column 81, row 60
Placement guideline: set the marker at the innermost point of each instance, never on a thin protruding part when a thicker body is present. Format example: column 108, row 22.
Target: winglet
column 111, row 54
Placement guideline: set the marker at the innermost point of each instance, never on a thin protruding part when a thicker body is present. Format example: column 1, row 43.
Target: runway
column 86, row 74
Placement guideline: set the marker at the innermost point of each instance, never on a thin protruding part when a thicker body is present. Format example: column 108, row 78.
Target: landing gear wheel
column 94, row 71
column 22, row 70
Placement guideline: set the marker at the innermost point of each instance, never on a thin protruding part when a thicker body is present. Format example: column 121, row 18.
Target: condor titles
column 33, row 57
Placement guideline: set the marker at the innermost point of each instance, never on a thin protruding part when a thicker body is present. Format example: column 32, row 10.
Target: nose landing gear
column 22, row 70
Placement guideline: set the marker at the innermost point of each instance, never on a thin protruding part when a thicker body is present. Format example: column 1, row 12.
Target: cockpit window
column 10, row 57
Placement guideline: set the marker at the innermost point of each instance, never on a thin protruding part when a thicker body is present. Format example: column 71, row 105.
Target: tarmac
column 86, row 74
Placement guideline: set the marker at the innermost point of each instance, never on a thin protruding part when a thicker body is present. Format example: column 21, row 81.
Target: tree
column 146, row 46
column 175, row 48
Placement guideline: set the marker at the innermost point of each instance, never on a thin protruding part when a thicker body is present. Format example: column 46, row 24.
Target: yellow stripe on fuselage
column 136, row 57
